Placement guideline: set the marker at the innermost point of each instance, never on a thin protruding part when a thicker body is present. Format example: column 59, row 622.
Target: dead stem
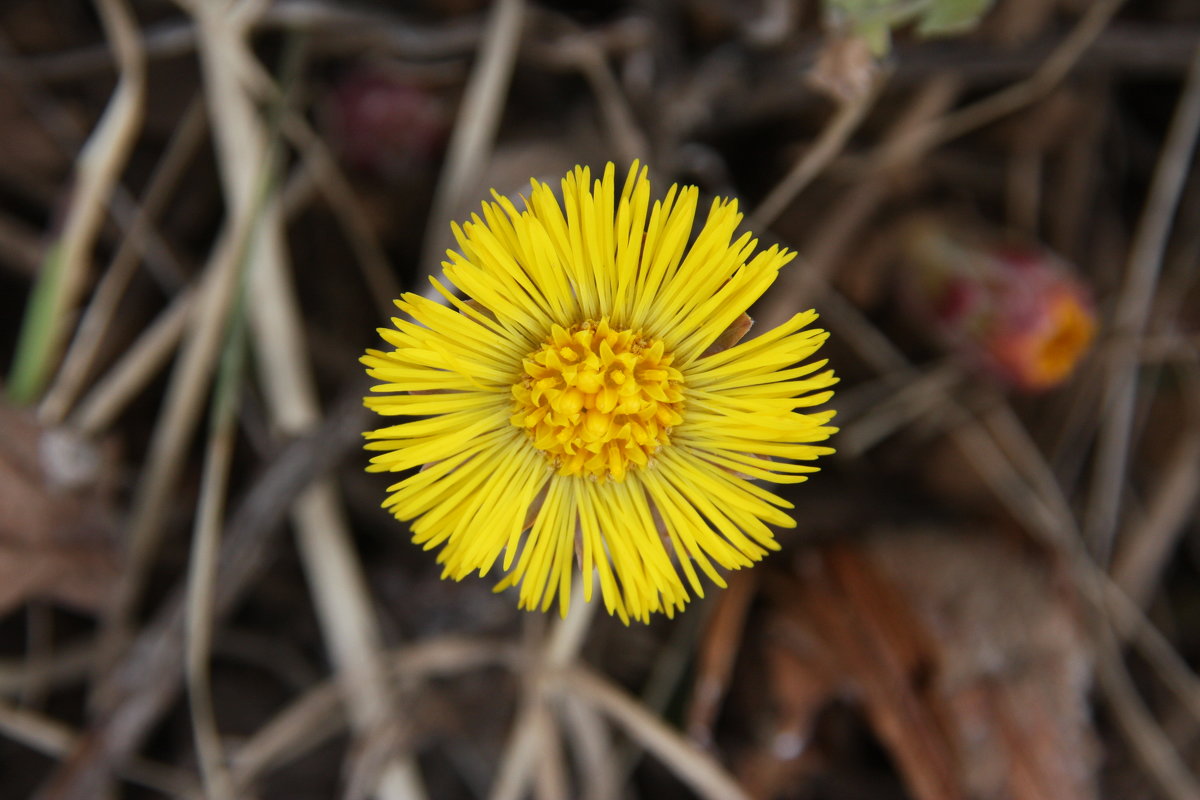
column 795, row 287
column 585, row 52
column 526, row 742
column 81, row 356
column 598, row 765
column 1049, row 74
column 475, row 127
column 317, row 714
column 51, row 737
column 332, row 183
column 829, row 143
column 127, row 379
column 202, row 562
column 323, row 536
column 1132, row 313
column 98, row 169
column 693, row 766
column 1146, row 545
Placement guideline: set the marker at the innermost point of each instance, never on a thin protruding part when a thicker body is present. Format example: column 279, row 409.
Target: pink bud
column 1015, row 309
column 383, row 123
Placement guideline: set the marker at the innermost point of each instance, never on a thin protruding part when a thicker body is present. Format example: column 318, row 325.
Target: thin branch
column 1132, row 313
column 516, row 769
column 319, row 713
column 1144, row 734
column 1147, row 545
column 1050, row 74
column 64, row 273
column 475, row 128
column 89, row 335
column 112, row 392
column 339, row 194
column 598, row 765
column 51, row 737
column 335, row 575
column 693, row 766
column 202, row 563
column 829, row 143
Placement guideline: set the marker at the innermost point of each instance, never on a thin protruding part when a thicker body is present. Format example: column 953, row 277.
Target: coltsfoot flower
column 1013, row 308
column 590, row 402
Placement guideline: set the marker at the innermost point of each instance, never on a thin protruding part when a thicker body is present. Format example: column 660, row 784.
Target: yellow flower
column 587, row 403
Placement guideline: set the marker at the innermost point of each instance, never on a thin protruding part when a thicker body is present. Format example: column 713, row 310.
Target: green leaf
column 945, row 17
column 874, row 20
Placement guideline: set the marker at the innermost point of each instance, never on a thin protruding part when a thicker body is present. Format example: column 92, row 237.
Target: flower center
column 1063, row 345
column 596, row 399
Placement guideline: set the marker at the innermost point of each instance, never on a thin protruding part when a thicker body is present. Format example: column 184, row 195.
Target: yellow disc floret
column 596, row 399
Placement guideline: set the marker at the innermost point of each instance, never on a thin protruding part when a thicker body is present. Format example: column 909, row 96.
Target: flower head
column 383, row 123
column 590, row 401
column 1012, row 308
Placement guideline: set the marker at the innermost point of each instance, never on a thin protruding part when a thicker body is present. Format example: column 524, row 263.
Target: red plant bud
column 1015, row 309
column 385, row 124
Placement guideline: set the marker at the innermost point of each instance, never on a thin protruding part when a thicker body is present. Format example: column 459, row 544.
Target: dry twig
column 475, row 128
column 98, row 169
column 1133, row 309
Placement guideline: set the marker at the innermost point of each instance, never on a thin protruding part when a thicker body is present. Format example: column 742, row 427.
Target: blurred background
column 206, row 208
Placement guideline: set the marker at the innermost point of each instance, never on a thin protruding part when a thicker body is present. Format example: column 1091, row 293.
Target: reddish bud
column 1014, row 309
column 383, row 123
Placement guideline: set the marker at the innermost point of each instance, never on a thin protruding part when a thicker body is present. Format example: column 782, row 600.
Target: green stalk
column 31, row 364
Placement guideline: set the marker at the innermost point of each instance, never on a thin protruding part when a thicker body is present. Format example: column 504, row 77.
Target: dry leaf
column 968, row 664
column 56, row 523
column 1013, row 667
